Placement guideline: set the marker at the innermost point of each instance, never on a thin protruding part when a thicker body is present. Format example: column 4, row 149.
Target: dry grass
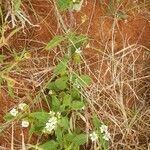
column 119, row 94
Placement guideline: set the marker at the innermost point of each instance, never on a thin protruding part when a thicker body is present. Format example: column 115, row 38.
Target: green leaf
column 96, row 121
column 64, row 4
column 84, row 80
column 55, row 103
column 64, row 123
column 75, row 93
column 11, row 91
column 41, row 116
column 70, row 136
column 61, row 67
column 55, row 42
column 8, row 117
column 77, row 105
column 61, row 83
column 49, row 145
column 59, row 135
column 76, row 147
column 76, row 41
column 67, row 100
column 39, row 120
column 80, row 139
column 36, row 128
column 77, row 58
column 17, row 5
column 52, row 86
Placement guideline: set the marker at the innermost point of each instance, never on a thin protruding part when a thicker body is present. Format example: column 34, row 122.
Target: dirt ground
column 91, row 21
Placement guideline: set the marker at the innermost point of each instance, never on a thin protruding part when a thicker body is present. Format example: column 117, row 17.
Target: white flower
column 50, row 92
column 76, row 84
column 58, row 114
column 53, row 120
column 25, row 123
column 103, row 128
column 78, row 51
column 93, row 136
column 52, row 113
column 73, row 1
column 49, row 127
column 21, row 106
column 14, row 112
column 106, row 136
column 51, row 124
column 83, row 108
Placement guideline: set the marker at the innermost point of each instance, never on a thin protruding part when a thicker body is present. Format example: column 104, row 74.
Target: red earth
column 90, row 21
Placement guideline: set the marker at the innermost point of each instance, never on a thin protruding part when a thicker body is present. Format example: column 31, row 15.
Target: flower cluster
column 22, row 106
column 14, row 112
column 25, row 123
column 52, row 122
column 94, row 136
column 78, row 51
column 104, row 130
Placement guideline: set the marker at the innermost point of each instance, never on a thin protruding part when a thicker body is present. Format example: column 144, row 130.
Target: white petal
column 25, row 123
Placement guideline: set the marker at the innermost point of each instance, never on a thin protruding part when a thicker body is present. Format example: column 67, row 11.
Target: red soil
column 99, row 28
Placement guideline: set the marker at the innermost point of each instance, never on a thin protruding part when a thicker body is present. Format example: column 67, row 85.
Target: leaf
column 80, row 139
column 64, row 123
column 17, row 5
column 61, row 67
column 8, row 117
column 77, row 58
column 52, row 86
column 76, row 147
column 49, row 145
column 59, row 135
column 77, row 105
column 61, row 83
column 67, row 100
column 70, row 136
column 41, row 116
column 84, row 80
column 11, row 91
column 55, row 42
column 75, row 93
column 64, row 4
column 39, row 120
column 55, row 103
column 36, row 128
column 76, row 41
column 96, row 121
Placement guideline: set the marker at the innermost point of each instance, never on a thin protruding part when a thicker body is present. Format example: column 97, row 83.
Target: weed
column 68, row 109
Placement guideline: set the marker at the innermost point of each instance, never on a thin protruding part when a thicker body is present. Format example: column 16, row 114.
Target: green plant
column 66, row 101
column 69, row 4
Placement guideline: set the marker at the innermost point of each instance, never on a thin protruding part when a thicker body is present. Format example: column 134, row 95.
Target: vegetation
column 71, row 107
